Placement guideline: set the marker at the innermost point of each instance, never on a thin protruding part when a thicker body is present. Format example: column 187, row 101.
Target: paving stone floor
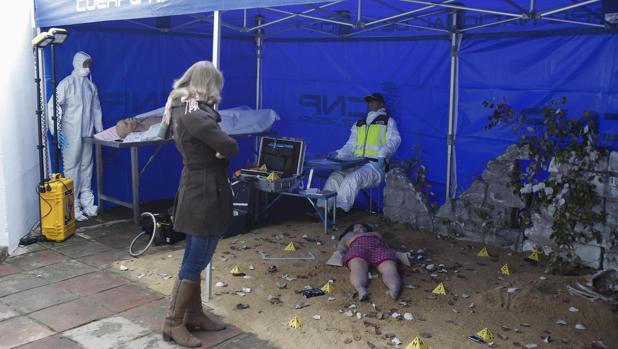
column 64, row 295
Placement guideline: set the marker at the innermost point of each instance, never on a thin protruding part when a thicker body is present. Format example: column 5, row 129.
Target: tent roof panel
column 65, row 12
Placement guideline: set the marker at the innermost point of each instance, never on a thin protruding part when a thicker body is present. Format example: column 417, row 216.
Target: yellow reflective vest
column 370, row 138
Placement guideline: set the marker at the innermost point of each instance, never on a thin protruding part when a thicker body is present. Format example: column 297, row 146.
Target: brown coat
column 204, row 199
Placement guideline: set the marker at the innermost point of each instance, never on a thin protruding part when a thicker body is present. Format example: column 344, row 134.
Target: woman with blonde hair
column 203, row 207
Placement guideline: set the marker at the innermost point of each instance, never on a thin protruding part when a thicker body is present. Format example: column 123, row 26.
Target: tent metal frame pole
column 359, row 14
column 405, row 13
column 467, row 8
column 490, row 24
column 259, row 41
column 532, row 7
column 310, row 17
column 452, row 103
column 294, row 15
column 566, row 8
column 573, row 22
column 389, row 24
column 216, row 55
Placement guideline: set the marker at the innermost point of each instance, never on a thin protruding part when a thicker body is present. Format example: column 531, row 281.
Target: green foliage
column 416, row 171
column 569, row 197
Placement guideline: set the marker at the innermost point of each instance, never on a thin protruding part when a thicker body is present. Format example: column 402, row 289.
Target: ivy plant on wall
column 569, row 145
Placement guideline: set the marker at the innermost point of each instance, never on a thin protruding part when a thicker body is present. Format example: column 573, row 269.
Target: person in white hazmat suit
column 79, row 114
column 375, row 138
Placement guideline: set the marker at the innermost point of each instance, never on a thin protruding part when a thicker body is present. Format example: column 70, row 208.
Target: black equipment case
column 283, row 157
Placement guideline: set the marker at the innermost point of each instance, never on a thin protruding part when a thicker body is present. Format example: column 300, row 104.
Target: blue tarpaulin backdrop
column 317, row 85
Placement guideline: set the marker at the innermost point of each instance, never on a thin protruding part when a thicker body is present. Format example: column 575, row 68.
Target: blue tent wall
column 318, row 89
column 529, row 72
column 317, row 86
column 134, row 72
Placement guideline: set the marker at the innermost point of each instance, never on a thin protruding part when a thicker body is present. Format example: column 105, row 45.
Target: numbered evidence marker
column 483, row 252
column 290, row 247
column 236, row 271
column 328, row 288
column 482, row 337
column 534, row 256
column 440, row 290
column 417, row 343
column 504, row 270
column 295, row 323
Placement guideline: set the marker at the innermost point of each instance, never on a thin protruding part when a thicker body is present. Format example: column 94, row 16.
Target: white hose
column 152, row 237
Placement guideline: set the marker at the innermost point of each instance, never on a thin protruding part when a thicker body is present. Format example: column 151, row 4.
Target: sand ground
column 478, row 295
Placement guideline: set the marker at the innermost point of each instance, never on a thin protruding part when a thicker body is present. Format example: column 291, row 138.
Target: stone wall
column 403, row 204
column 486, row 211
column 593, row 254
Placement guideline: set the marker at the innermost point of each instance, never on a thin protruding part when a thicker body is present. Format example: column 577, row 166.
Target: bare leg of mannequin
column 358, row 277
column 391, row 278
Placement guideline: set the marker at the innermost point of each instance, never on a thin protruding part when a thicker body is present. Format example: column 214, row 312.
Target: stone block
column 393, row 197
column 540, row 231
column 395, row 214
column 396, row 178
column 514, row 152
column 106, row 333
column 591, row 256
column 414, row 202
column 475, row 194
column 62, row 271
column 611, row 188
column 613, row 162
column 503, row 196
column 124, row 297
column 498, row 172
column 424, row 222
column 610, row 258
column 440, row 228
column 21, row 330
column 38, row 298
column 510, row 238
column 69, row 315
column 446, row 211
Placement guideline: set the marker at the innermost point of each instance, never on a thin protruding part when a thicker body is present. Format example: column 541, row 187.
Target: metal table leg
column 99, row 164
column 135, row 183
column 326, row 217
column 335, row 212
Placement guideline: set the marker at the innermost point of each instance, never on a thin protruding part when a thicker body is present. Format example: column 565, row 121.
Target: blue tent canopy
column 435, row 63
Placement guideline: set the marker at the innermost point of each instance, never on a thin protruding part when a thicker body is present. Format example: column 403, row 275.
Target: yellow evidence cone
column 290, row 247
column 328, row 288
column 483, row 252
column 295, row 323
column 439, row 290
column 235, row 270
column 417, row 343
column 263, row 168
column 485, row 334
column 273, row 177
column 534, row 256
column 504, row 270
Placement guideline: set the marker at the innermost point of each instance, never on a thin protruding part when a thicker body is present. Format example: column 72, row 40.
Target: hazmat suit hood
column 78, row 63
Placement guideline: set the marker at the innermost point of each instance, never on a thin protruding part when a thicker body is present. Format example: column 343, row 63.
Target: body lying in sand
column 360, row 248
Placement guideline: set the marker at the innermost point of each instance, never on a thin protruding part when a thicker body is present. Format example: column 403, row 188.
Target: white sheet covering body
column 234, row 121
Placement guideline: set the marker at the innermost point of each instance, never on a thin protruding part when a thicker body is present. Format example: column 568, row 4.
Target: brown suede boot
column 195, row 318
column 174, row 327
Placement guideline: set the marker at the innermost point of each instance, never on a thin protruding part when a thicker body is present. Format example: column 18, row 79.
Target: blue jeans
column 198, row 253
